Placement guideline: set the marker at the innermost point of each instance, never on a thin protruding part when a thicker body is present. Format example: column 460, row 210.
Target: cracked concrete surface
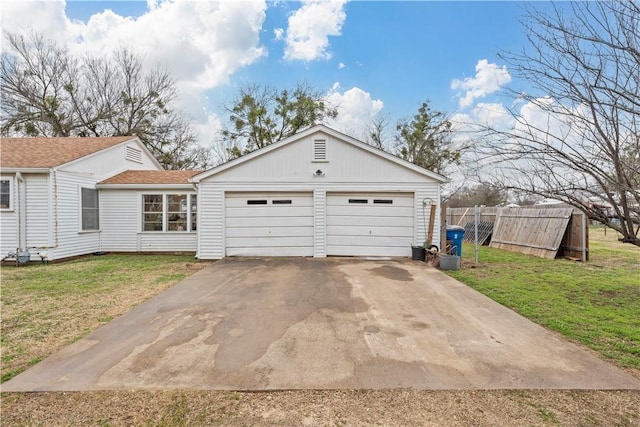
column 289, row 323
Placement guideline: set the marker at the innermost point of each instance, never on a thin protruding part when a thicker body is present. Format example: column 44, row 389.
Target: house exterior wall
column 121, row 220
column 110, row 162
column 211, row 239
column 29, row 214
column 9, row 222
column 39, row 205
column 71, row 240
column 291, row 168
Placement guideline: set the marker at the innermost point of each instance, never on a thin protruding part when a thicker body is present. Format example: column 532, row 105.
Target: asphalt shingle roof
column 152, row 177
column 51, row 152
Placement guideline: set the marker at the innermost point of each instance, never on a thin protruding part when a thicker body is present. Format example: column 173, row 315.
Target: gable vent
column 133, row 154
column 319, row 150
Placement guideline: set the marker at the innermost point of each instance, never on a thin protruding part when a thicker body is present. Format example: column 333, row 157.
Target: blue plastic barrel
column 454, row 239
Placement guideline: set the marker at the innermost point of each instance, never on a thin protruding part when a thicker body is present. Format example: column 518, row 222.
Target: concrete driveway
column 320, row 323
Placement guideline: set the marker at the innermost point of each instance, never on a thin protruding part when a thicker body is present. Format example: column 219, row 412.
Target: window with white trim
column 90, row 207
column 6, row 194
column 168, row 212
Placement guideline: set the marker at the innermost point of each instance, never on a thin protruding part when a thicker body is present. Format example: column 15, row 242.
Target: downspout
column 195, row 187
column 22, row 233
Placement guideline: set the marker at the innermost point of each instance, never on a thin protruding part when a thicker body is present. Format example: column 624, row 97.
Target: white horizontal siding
column 36, row 187
column 8, row 232
column 71, row 242
column 119, row 218
column 428, row 194
column 210, row 221
column 167, row 242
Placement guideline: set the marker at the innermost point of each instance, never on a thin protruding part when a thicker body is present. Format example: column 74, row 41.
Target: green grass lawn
column 597, row 303
column 47, row 307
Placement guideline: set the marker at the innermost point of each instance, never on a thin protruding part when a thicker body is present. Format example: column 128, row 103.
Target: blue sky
column 370, row 57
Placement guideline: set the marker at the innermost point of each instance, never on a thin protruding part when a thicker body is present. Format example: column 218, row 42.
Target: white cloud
column 356, row 109
column 310, row 27
column 278, row 33
column 488, row 79
column 341, row 66
column 201, row 43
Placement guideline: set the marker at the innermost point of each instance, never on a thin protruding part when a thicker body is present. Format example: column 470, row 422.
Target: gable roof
column 52, row 152
column 331, row 132
column 132, row 177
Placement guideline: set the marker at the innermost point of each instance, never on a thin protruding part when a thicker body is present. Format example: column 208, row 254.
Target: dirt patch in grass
column 320, row 407
column 47, row 307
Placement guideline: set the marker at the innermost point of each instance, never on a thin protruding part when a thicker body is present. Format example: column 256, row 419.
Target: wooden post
column 432, row 220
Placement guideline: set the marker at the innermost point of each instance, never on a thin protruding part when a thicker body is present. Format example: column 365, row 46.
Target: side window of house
column 5, row 193
column 194, row 212
column 169, row 212
column 177, row 212
column 90, row 209
column 152, row 212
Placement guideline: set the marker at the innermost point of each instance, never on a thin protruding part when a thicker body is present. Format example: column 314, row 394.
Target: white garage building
column 318, row 193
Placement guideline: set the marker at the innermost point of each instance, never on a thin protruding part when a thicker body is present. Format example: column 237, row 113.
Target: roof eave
column 146, row 186
column 24, row 170
column 319, row 128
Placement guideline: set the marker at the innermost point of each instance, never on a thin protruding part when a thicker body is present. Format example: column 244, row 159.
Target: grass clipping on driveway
column 44, row 308
column 597, row 303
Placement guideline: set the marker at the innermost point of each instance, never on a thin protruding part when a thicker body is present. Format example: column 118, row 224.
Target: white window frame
column 81, row 228
column 165, row 211
column 11, row 201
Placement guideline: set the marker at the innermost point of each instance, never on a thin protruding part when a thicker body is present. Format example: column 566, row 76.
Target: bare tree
column 481, row 195
column 48, row 92
column 576, row 136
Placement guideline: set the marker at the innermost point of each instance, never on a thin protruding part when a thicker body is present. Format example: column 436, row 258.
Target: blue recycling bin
column 454, row 239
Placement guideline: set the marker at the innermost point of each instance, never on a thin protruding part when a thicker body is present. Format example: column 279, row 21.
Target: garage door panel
column 370, row 224
column 272, row 241
column 256, row 232
column 269, row 224
column 380, row 241
column 359, row 230
column 368, row 251
column 373, row 221
column 269, row 211
column 276, row 201
column 270, row 251
column 355, row 210
column 272, row 222
column 373, row 199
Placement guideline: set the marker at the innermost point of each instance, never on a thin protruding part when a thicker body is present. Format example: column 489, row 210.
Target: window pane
column 194, row 210
column 5, row 194
column 177, row 212
column 152, row 212
column 90, row 209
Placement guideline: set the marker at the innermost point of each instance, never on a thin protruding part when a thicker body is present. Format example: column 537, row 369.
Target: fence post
column 476, row 214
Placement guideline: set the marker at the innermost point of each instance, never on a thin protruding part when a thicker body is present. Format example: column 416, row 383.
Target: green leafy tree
column 425, row 140
column 48, row 92
column 262, row 115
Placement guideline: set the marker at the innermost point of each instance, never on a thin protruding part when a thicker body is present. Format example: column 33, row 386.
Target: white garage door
column 269, row 224
column 370, row 224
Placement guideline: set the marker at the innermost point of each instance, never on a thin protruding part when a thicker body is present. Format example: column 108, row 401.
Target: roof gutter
column 145, row 186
